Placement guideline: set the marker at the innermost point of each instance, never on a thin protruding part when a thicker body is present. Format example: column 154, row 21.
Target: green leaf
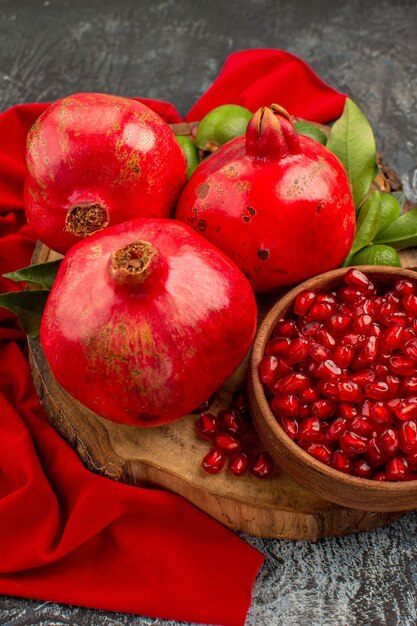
column 42, row 274
column 400, row 196
column 312, row 131
column 352, row 140
column 28, row 306
column 367, row 225
column 402, row 233
column 390, row 210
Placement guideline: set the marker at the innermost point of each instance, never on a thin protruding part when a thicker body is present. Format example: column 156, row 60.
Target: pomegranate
column 146, row 320
column 95, row 160
column 277, row 203
column 352, row 406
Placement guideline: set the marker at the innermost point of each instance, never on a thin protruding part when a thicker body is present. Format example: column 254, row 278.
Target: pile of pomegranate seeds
column 234, row 438
column 341, row 377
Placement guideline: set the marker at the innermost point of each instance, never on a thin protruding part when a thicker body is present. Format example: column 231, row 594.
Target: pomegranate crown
column 271, row 134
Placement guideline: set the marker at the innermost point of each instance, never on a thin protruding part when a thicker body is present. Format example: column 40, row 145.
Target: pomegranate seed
column 343, row 356
column 290, row 426
column 349, row 294
column 376, row 330
column 303, row 411
column 323, row 409
column 376, row 455
column 336, row 429
column 328, row 370
column 231, row 421
column 347, row 411
column 362, row 377
column 380, row 414
column 226, row 443
column 402, row 365
column 409, row 303
column 320, row 311
column 213, row 462
column 409, row 333
column 389, row 440
column 408, row 436
column 393, row 299
column 283, row 367
column 370, row 349
column 394, row 384
column 285, row 328
column 359, row 361
column 406, row 409
column 262, row 465
column 404, row 287
column 327, row 297
column 399, row 318
column 311, row 329
column 384, row 312
column 396, row 468
column 207, row 425
column 356, row 278
column 298, row 350
column 380, row 477
column 309, row 394
column 287, row 405
column 325, row 338
column 341, row 462
column 310, row 429
column 268, row 367
column 352, row 443
column 412, row 460
column 362, row 324
column 303, row 301
column 378, row 390
column 318, row 352
column 277, row 346
column 409, row 385
column 363, row 306
column 410, row 348
column 239, row 464
column 364, row 407
column 349, row 391
column 362, row 469
column 362, row 425
column 319, row 451
column 352, row 340
column 381, row 371
column 292, row 383
column 338, row 324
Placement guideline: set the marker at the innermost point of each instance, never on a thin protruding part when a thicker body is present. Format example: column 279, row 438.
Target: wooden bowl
column 337, row 487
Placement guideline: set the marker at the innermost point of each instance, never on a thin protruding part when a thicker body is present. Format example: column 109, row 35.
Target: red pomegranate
column 146, row 320
column 95, row 160
column 277, row 203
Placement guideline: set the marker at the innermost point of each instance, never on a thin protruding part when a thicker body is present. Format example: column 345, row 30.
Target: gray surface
column 173, row 50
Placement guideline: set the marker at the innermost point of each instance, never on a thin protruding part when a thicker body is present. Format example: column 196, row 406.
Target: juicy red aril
column 262, row 465
column 409, row 385
column 404, row 287
column 297, row 350
column 341, row 462
column 399, row 318
column 303, row 301
column 319, row 451
column 226, row 443
column 318, row 352
column 336, row 429
column 323, row 409
column 356, row 278
column 325, row 338
column 347, row 411
column 380, row 414
column 338, row 324
column 352, row 339
column 370, row 349
column 396, row 468
column 410, row 348
column 406, row 409
column 268, row 367
column 362, row 469
column 362, row 377
column 349, row 391
column 310, row 429
column 359, row 361
column 394, row 384
column 277, row 346
column 290, row 426
column 207, row 425
column 409, row 333
column 342, row 356
column 380, row 477
column 408, row 436
column 291, row 383
column 231, row 421
column 328, row 370
column 320, row 311
column 389, row 440
column 364, row 407
column 283, row 367
column 239, row 464
column 352, row 443
column 328, row 389
column 213, row 462
column 309, row 394
column 377, row 390
column 409, row 303
column 362, row 425
column 311, row 329
column 362, row 324
column 285, row 328
column 384, row 312
column 376, row 455
column 286, row 404
column 381, row 371
column 402, row 365
column 363, row 306
column 349, row 294
column 412, row 460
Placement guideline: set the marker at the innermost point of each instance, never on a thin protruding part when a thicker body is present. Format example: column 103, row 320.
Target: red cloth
column 74, row 537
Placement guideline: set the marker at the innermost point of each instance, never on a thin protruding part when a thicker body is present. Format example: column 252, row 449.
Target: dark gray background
column 173, row 51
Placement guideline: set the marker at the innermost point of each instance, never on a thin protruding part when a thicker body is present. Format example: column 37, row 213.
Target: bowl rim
column 279, row 310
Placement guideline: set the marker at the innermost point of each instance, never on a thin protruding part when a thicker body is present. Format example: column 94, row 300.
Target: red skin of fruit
column 277, row 203
column 146, row 348
column 92, row 148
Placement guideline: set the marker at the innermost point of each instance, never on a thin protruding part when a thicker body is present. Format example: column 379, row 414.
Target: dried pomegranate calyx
column 135, row 263
column 270, row 134
column 86, row 219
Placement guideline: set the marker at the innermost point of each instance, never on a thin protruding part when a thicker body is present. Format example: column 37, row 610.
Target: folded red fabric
column 74, row 537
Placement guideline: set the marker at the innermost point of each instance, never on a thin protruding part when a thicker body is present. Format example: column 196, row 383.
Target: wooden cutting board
column 170, row 457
